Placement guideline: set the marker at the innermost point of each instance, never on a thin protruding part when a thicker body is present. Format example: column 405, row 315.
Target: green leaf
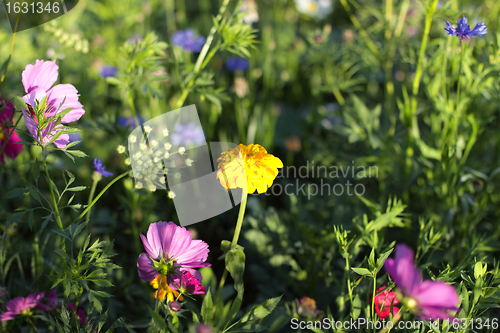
column 255, row 313
column 15, row 217
column 30, row 220
column 16, row 192
column 77, row 188
column 361, row 271
column 207, row 308
column 62, row 233
column 77, row 153
column 158, row 320
column 235, row 264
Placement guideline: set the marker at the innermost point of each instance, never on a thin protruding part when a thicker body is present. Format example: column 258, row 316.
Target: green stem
column 200, row 62
column 349, row 289
column 91, row 196
column 412, row 122
column 100, row 194
column 74, row 317
column 358, row 26
column 54, row 201
column 236, row 235
column 373, row 298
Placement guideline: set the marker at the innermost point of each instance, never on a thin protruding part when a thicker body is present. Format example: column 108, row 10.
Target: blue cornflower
column 108, row 71
column 188, row 41
column 130, row 121
column 237, row 64
column 463, row 30
column 100, row 168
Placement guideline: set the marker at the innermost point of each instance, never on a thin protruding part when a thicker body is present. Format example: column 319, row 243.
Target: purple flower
column 170, row 251
column 463, row 30
column 187, row 40
column 108, row 71
column 130, row 121
column 429, row 300
column 237, row 64
column 99, row 168
column 37, row 81
column 186, row 134
column 20, row 306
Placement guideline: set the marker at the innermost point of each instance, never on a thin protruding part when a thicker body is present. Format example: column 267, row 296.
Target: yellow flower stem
column 236, row 235
column 239, row 222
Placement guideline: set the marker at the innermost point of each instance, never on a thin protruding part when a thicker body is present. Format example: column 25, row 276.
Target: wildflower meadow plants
column 314, row 96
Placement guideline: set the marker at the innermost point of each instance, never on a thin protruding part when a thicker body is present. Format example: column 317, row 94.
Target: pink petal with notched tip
column 43, row 74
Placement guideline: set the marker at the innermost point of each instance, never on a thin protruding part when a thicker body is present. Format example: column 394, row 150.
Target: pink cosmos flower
column 38, row 80
column 12, row 149
column 187, row 284
column 383, row 303
column 170, row 251
column 429, row 300
column 20, row 306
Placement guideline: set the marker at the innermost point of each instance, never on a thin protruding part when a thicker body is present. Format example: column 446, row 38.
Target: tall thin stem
column 54, row 201
column 100, row 194
column 360, row 28
column 200, row 62
column 91, row 195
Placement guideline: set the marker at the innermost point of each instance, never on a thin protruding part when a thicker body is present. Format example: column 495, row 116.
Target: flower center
column 165, row 265
column 411, row 303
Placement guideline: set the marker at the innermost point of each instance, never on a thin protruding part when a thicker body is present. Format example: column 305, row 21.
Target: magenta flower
column 428, row 300
column 170, row 251
column 187, row 284
column 12, row 148
column 38, row 80
column 80, row 313
column 21, row 306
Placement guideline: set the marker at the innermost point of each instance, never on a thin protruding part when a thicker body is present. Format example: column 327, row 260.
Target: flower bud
column 175, row 306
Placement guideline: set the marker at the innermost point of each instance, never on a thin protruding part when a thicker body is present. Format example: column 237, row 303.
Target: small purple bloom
column 108, row 71
column 130, row 121
column 237, row 64
column 100, row 168
column 187, row 40
column 20, row 305
column 463, row 30
column 428, row 300
column 186, row 134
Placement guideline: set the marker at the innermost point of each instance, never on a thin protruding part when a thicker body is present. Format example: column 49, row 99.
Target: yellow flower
column 165, row 289
column 250, row 168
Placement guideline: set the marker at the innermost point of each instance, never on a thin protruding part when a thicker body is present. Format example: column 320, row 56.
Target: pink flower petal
column 195, row 255
column 43, row 74
column 145, row 268
column 68, row 94
column 436, row 294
